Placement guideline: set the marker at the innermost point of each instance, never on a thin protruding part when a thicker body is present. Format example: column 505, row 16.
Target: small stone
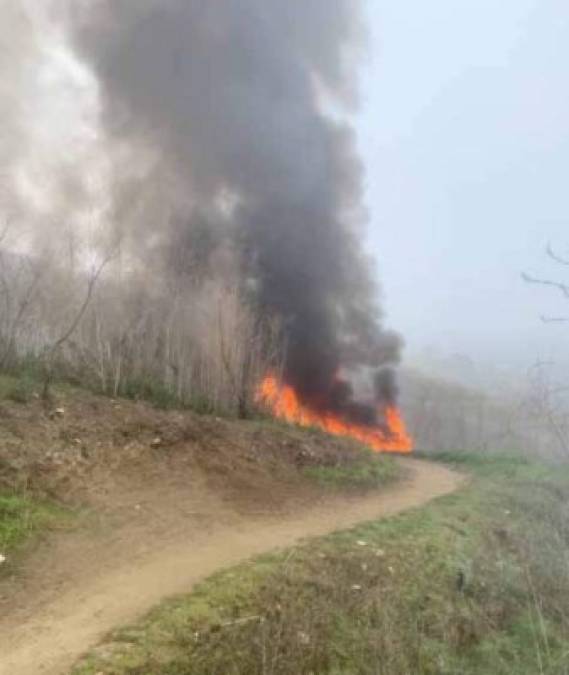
column 59, row 412
column 356, row 587
column 156, row 443
column 361, row 543
column 2, row 559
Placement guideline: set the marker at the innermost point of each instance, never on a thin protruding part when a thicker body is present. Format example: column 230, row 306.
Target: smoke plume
column 226, row 113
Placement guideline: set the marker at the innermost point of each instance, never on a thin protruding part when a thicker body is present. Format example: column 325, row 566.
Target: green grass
column 352, row 466
column 21, row 518
column 148, row 388
column 7, row 384
column 476, row 583
column 19, row 387
column 370, row 472
column 25, row 382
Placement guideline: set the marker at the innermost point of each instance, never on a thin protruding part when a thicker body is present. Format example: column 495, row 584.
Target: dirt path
column 64, row 621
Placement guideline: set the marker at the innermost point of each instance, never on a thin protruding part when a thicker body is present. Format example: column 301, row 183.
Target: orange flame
column 285, row 404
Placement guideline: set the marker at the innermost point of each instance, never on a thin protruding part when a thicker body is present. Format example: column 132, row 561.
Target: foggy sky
column 465, row 135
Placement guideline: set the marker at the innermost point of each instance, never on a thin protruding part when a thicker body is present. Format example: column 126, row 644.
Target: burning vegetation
column 389, row 436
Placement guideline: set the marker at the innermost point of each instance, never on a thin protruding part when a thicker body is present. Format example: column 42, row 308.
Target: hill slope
column 475, row 583
column 124, row 504
column 86, row 606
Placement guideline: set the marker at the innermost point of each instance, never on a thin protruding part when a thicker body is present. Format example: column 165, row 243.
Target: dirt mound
column 83, row 445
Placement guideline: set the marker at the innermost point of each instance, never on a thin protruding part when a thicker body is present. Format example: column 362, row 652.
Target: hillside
column 114, row 515
column 94, row 489
column 475, row 583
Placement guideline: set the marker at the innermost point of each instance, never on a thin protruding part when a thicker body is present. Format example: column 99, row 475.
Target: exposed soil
column 90, row 449
column 171, row 498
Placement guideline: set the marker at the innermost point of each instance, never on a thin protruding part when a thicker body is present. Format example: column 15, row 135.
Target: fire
column 285, row 404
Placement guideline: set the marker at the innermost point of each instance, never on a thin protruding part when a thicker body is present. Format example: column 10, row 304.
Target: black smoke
column 238, row 101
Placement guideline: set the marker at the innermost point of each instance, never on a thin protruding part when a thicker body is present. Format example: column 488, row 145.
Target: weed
column 23, row 390
column 370, row 472
column 7, row 383
column 149, row 389
column 20, row 519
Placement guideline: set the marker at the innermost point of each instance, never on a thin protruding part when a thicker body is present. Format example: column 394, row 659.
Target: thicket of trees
column 104, row 324
column 532, row 419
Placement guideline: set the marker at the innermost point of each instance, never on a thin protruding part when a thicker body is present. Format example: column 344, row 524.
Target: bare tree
column 51, row 351
column 559, row 285
column 547, row 398
column 15, row 316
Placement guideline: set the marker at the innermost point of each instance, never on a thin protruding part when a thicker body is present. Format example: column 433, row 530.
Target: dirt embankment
column 91, row 449
column 171, row 498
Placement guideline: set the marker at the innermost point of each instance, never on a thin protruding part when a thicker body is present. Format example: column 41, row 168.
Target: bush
column 23, row 390
column 150, row 389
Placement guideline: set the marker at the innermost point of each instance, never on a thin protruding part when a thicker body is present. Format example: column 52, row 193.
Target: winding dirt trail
column 47, row 636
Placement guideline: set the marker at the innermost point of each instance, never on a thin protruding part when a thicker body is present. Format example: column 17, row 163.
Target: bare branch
column 564, row 288
column 554, row 319
column 90, row 288
column 51, row 351
column 555, row 256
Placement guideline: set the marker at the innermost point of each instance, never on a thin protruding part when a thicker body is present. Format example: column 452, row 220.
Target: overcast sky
column 465, row 132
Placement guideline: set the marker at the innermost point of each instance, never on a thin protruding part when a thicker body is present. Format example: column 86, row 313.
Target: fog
column 464, row 129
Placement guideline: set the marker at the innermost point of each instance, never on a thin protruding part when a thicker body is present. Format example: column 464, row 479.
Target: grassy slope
column 20, row 519
column 21, row 516
column 371, row 471
column 24, row 513
column 476, row 583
